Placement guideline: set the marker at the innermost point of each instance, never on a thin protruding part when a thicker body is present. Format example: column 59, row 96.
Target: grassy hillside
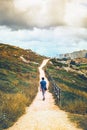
column 73, row 91
column 18, row 82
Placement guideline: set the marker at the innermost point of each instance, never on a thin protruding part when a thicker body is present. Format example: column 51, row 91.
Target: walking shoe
column 43, row 98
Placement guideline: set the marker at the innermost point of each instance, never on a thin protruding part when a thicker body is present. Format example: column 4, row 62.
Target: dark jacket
column 43, row 84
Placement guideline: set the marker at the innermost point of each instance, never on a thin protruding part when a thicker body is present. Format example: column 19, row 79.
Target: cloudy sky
column 49, row 27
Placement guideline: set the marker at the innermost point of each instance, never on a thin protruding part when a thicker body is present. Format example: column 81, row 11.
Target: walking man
column 43, row 87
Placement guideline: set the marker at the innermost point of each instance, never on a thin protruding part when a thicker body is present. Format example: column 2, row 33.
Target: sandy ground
column 43, row 115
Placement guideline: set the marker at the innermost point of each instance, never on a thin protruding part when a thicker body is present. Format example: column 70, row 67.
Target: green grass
column 12, row 107
column 58, row 63
column 80, row 120
column 82, row 66
column 73, row 90
column 18, row 82
column 74, row 103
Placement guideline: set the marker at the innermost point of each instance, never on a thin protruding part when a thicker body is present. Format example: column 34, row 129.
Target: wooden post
column 56, row 89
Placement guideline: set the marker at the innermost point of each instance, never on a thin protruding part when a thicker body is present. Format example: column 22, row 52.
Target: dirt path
column 43, row 115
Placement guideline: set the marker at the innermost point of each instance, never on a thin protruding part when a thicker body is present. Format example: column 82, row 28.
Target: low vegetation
column 73, row 90
column 18, row 82
column 79, row 65
column 81, row 120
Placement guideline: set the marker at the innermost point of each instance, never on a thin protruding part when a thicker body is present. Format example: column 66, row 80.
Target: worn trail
column 43, row 115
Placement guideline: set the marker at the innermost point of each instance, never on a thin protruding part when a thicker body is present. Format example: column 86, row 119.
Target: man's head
column 42, row 78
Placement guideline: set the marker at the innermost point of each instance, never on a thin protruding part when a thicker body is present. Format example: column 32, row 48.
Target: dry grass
column 18, row 82
column 12, row 106
column 80, row 120
column 73, row 92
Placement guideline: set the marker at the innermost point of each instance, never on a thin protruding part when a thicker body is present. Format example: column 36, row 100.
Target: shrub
column 72, row 62
column 12, row 107
column 73, row 89
column 18, row 82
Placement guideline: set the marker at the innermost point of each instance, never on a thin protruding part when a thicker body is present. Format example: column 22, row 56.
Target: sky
column 48, row 27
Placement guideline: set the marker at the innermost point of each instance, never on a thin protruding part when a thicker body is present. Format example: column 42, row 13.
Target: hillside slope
column 76, row 54
column 41, row 115
column 73, row 85
column 18, row 82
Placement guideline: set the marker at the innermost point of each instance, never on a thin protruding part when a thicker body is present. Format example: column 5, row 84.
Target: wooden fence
column 56, row 88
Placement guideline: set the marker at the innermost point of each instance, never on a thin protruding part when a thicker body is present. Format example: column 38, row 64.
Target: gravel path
column 43, row 115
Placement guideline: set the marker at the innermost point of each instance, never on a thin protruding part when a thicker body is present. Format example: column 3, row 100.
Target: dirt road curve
column 43, row 115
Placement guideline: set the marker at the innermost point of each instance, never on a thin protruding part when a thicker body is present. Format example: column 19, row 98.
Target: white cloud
column 26, row 14
column 75, row 13
column 47, row 41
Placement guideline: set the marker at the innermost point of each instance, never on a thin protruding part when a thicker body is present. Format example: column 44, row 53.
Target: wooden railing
column 56, row 88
